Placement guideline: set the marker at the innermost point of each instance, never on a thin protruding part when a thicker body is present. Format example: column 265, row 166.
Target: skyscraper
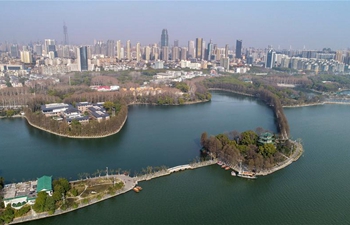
column 128, row 50
column 14, row 51
column 65, row 34
column 199, row 48
column 191, row 50
column 138, row 52
column 110, row 49
column 164, row 38
column 147, row 53
column 176, row 43
column 165, row 53
column 239, row 49
column 270, row 60
column 119, row 50
column 175, row 53
column 209, row 51
column 226, row 50
column 83, row 59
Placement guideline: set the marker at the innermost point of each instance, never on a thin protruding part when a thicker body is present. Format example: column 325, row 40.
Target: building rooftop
column 44, row 184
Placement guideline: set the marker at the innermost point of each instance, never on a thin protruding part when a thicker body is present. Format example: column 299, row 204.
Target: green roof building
column 44, row 184
column 266, row 138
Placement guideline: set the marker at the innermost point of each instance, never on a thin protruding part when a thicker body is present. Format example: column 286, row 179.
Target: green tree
column 267, row 150
column 248, row 138
column 49, row 205
column 2, row 182
column 39, row 205
column 8, row 214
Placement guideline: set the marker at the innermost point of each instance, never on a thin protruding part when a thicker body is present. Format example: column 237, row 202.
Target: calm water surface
column 314, row 190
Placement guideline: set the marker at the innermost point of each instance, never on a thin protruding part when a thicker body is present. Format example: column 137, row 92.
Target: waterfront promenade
column 129, row 184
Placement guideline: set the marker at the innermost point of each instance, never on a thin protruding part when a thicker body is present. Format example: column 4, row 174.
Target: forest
column 234, row 147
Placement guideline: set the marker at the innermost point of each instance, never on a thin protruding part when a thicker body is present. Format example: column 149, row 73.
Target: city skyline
column 259, row 24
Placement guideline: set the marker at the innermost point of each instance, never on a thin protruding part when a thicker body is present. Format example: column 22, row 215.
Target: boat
column 227, row 168
column 245, row 174
column 223, row 166
column 139, row 188
column 136, row 190
column 233, row 173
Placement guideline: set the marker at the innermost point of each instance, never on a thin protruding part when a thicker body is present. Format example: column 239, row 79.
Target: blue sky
column 315, row 24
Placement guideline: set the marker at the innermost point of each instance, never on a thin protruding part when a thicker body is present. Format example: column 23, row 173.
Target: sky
column 282, row 24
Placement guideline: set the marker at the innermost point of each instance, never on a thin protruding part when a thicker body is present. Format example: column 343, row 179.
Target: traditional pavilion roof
column 44, row 184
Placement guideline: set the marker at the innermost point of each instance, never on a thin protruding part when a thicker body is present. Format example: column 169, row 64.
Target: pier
column 171, row 170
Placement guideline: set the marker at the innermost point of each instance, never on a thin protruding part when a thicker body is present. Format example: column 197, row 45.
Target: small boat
column 233, row 173
column 227, row 168
column 136, row 190
column 139, row 188
column 223, row 166
column 247, row 175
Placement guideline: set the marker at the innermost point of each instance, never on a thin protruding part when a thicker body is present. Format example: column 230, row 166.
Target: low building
column 54, row 109
column 83, row 106
column 98, row 112
column 44, row 183
column 19, row 194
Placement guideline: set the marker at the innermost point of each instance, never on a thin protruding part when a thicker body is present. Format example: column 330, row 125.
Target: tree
column 8, row 214
column 49, row 205
column 204, row 139
column 2, row 182
column 248, row 138
column 39, row 205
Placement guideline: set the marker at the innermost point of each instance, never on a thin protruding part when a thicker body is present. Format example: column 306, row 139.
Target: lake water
column 312, row 190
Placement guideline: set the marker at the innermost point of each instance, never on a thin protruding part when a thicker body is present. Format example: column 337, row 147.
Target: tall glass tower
column 83, row 59
column 239, row 49
column 164, row 38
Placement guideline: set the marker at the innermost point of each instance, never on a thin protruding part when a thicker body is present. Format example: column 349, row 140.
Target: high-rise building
column 119, row 50
column 183, row 53
column 128, row 50
column 176, row 43
column 14, row 51
column 164, row 38
column 138, row 52
column 65, row 34
column 175, row 53
column 199, row 48
column 26, row 57
column 147, row 53
column 226, row 50
column 339, row 56
column 239, row 49
column 83, row 58
column 191, row 50
column 49, row 42
column 110, row 49
column 165, row 53
column 209, row 51
column 38, row 49
column 155, row 52
column 270, row 59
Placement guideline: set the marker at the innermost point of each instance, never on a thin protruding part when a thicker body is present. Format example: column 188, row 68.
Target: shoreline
column 129, row 184
column 77, row 137
column 99, row 136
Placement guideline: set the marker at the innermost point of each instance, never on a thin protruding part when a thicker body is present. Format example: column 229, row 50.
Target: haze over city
column 310, row 25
